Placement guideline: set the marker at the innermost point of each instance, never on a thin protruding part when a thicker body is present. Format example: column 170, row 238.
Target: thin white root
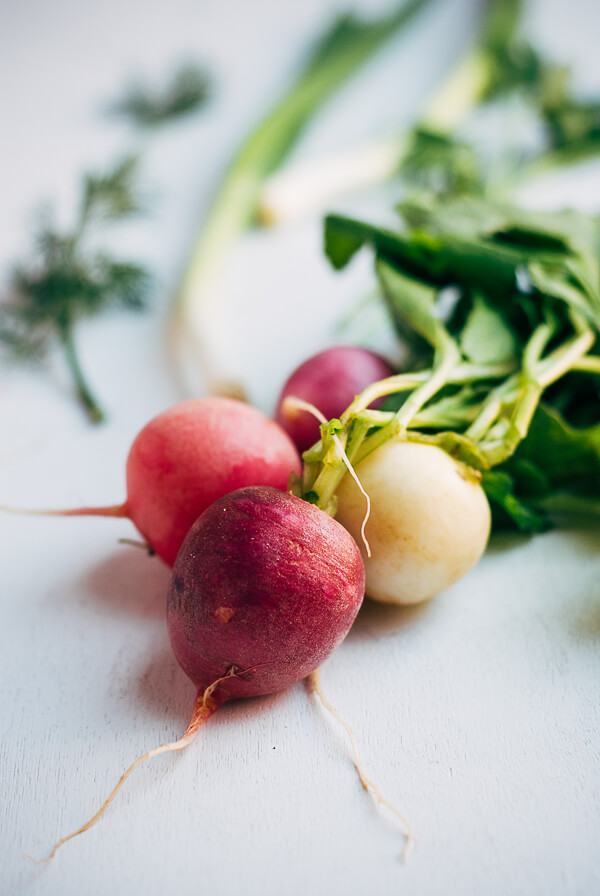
column 352, row 472
column 369, row 785
column 298, row 404
column 291, row 404
column 136, row 543
column 204, row 707
column 19, row 511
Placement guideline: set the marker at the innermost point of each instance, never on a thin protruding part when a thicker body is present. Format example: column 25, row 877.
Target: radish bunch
column 419, row 516
column 266, row 583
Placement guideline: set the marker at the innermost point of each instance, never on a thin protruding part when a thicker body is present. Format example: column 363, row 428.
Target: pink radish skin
column 329, row 380
column 194, row 453
column 186, row 458
column 265, row 587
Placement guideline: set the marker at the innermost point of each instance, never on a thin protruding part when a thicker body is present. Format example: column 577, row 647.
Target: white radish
column 429, row 521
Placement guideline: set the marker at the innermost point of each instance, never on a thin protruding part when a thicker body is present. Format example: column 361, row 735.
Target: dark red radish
column 329, row 380
column 266, row 585
column 263, row 590
column 190, row 455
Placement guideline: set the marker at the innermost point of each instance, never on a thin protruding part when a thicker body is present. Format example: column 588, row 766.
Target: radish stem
column 298, row 404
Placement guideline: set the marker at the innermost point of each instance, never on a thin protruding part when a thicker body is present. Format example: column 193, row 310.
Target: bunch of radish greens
column 499, row 306
column 501, row 309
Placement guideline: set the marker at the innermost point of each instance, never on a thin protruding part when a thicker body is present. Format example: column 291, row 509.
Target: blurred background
column 491, row 756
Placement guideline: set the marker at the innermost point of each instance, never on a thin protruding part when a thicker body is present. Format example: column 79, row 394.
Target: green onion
column 342, row 51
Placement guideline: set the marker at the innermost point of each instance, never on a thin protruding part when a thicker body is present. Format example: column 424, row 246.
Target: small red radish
column 190, row 455
column 329, row 380
column 264, row 588
column 266, row 585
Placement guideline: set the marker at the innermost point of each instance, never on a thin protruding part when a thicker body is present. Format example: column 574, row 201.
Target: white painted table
column 478, row 714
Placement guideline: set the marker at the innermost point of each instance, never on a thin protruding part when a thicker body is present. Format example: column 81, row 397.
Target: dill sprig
column 68, row 279
column 189, row 89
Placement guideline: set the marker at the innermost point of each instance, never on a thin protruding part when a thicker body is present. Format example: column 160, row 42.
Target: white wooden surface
column 478, row 714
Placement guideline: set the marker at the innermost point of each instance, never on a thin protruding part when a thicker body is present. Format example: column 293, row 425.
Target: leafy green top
column 505, row 372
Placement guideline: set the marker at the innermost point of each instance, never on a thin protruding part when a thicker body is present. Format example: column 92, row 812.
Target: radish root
column 314, row 681
column 204, row 707
column 118, row 510
column 136, row 543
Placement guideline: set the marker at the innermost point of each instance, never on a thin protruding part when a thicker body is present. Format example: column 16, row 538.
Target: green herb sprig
column 189, row 89
column 68, row 279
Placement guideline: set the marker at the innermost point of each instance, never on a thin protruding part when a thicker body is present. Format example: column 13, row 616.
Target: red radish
column 329, row 380
column 264, row 588
column 190, row 455
column 265, row 584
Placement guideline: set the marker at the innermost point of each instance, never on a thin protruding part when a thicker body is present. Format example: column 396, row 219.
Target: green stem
column 468, row 372
column 401, row 382
column 450, row 358
column 326, row 484
column 537, row 375
column 535, row 348
column 565, row 357
column 378, row 438
column 235, row 204
column 497, row 450
column 587, row 364
column 447, row 413
column 333, row 469
column 462, row 373
column 491, row 408
column 366, row 430
column 505, row 392
column 356, row 439
column 84, row 392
